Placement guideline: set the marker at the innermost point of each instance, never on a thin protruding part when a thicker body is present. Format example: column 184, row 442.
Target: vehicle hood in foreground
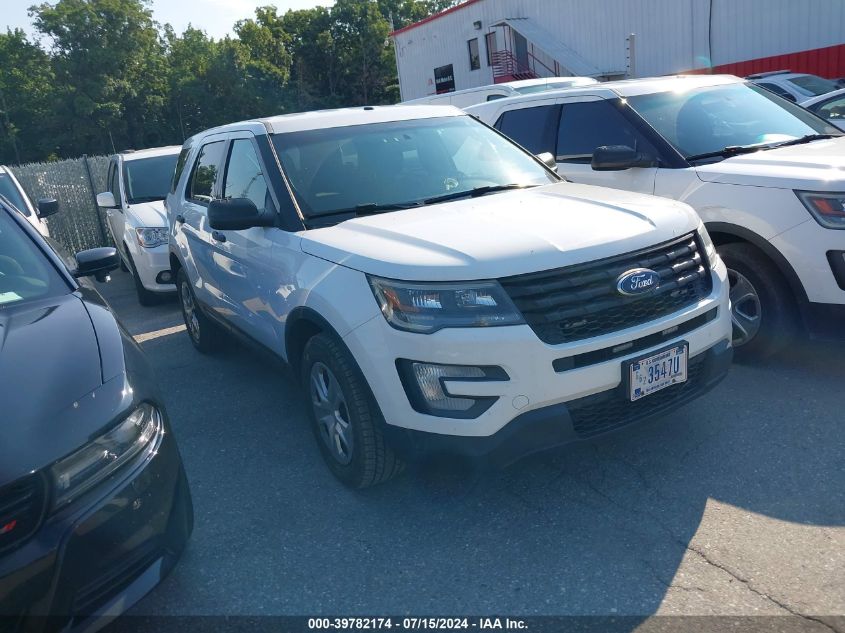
column 816, row 166
column 148, row 214
column 55, row 356
column 502, row 234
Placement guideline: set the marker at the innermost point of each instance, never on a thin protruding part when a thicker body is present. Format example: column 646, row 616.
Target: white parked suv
column 138, row 182
column 765, row 175
column 437, row 288
column 11, row 189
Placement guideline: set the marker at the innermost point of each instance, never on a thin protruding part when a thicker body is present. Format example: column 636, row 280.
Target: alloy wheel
column 189, row 311
column 745, row 308
column 332, row 413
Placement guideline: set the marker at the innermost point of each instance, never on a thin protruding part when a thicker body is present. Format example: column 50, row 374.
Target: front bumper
column 91, row 561
column 565, row 423
column 149, row 264
column 538, row 379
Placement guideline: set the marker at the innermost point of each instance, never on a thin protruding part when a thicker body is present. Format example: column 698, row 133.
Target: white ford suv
column 766, row 176
column 437, row 288
column 138, row 182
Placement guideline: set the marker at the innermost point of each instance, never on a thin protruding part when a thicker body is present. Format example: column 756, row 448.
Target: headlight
column 709, row 247
column 149, row 237
column 93, row 463
column 827, row 208
column 428, row 307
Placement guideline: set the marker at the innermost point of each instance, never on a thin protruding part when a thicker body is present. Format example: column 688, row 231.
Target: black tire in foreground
column 344, row 416
column 763, row 309
column 206, row 335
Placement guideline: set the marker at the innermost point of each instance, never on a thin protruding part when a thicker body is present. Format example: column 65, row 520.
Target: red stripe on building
column 436, row 16
column 825, row 62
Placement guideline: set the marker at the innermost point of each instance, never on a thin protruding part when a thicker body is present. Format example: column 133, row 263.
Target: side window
column 533, row 128
column 114, row 182
column 180, row 166
column 587, row 125
column 244, row 175
column 474, row 58
column 781, row 92
column 201, row 186
column 833, row 110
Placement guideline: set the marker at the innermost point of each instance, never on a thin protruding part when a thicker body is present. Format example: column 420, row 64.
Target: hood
column 816, row 166
column 148, row 214
column 502, row 234
column 49, row 359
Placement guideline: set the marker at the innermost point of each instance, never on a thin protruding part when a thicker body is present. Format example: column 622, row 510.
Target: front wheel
column 345, row 419
column 145, row 297
column 762, row 308
column 205, row 335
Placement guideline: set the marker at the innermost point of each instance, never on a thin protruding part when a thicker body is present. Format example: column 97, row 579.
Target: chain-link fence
column 75, row 183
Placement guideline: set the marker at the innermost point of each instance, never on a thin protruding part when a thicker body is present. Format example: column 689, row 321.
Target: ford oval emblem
column 636, row 282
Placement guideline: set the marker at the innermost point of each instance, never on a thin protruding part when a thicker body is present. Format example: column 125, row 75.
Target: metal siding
column 672, row 36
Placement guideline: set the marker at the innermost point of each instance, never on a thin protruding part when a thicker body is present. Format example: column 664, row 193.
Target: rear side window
column 201, row 187
column 777, row 90
column 245, row 177
column 533, row 128
column 180, row 166
column 584, row 126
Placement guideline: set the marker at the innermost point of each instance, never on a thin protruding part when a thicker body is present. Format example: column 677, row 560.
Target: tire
column 206, row 335
column 123, row 267
column 348, row 425
column 145, row 297
column 763, row 310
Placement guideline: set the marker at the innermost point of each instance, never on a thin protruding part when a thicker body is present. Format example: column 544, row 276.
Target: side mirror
column 97, row 263
column 106, row 200
column 619, row 157
column 236, row 214
column 47, row 207
column 548, row 159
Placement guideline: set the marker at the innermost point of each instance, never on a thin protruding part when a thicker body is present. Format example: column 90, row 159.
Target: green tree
column 108, row 59
column 26, row 95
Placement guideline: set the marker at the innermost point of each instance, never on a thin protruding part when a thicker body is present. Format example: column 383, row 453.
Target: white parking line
column 148, row 336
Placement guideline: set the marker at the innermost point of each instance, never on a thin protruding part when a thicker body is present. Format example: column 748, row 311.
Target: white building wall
column 672, row 35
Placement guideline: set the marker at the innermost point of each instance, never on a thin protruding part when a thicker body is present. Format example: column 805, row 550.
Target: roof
column 543, row 81
column 343, row 117
column 150, row 152
column 612, row 89
column 828, row 95
column 436, row 16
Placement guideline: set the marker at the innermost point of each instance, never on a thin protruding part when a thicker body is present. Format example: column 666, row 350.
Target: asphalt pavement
column 734, row 505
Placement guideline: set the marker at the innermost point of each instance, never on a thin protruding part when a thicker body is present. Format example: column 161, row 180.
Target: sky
column 215, row 17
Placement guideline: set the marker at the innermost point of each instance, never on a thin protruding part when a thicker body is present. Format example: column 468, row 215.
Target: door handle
column 180, row 219
column 217, row 235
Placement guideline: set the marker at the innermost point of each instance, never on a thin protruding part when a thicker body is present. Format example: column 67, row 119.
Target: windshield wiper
column 726, row 152
column 478, row 191
column 141, row 199
column 809, row 138
column 364, row 209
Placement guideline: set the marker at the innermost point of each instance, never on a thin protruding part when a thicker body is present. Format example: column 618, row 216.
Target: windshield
column 813, row 85
column 714, row 117
column 25, row 273
column 400, row 163
column 148, row 179
column 9, row 191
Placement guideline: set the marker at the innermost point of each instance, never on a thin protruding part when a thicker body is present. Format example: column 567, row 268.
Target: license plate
column 653, row 373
